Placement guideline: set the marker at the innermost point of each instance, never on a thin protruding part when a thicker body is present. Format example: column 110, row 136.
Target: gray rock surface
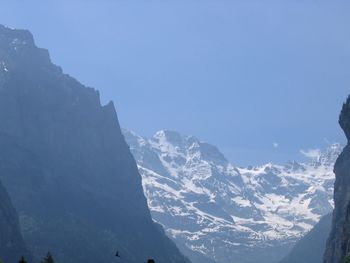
column 67, row 167
column 12, row 246
column 338, row 244
column 310, row 249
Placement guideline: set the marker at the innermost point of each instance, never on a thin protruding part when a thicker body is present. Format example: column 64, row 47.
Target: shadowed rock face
column 11, row 242
column 67, row 167
column 338, row 244
column 310, row 248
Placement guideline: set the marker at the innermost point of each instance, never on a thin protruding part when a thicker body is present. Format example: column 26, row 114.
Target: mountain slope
column 339, row 239
column 227, row 213
column 67, row 167
column 12, row 246
column 311, row 247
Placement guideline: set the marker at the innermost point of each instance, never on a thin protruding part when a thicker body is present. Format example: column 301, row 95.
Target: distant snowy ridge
column 224, row 213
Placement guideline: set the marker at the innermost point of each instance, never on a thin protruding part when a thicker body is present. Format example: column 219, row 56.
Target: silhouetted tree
column 48, row 258
column 151, row 261
column 22, row 260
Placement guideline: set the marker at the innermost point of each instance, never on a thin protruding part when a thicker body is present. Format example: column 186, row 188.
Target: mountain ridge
column 67, row 167
column 337, row 247
column 311, row 247
column 241, row 213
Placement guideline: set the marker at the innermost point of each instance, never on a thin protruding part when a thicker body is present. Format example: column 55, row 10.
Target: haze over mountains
column 69, row 172
column 240, row 74
column 216, row 210
column 311, row 248
column 67, row 167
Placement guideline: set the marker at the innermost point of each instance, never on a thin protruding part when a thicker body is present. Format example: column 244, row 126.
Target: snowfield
column 217, row 212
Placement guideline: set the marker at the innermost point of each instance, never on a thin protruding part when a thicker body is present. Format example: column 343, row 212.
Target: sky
column 260, row 79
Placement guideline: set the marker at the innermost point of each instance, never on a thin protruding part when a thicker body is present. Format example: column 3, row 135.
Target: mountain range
column 216, row 211
column 70, row 183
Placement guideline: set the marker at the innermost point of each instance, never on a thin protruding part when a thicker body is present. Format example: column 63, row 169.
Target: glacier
column 216, row 211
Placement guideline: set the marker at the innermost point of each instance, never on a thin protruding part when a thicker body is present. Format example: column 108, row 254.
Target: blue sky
column 260, row 79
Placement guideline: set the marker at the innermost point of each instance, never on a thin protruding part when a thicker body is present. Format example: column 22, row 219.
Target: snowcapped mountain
column 217, row 212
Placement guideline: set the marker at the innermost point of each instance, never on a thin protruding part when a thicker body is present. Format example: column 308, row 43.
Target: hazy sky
column 260, row 79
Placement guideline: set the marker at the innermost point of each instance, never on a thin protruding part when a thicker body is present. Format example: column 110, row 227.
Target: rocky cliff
column 338, row 244
column 310, row 248
column 67, row 167
column 11, row 242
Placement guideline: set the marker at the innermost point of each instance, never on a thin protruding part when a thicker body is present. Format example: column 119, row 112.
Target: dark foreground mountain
column 67, row 167
column 338, row 244
column 11, row 242
column 310, row 249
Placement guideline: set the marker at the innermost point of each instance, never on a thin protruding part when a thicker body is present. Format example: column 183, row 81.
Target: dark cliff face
column 310, row 248
column 11, row 242
column 66, row 165
column 338, row 244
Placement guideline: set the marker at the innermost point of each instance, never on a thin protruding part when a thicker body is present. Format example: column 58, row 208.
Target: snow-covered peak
column 134, row 139
column 216, row 210
column 330, row 155
column 189, row 147
column 169, row 136
column 166, row 140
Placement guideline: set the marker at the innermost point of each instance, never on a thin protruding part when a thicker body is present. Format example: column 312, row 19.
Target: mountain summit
column 67, row 167
column 218, row 212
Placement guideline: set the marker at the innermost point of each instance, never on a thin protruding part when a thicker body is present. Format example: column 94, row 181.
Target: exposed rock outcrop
column 310, row 248
column 12, row 246
column 338, row 244
column 67, row 167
